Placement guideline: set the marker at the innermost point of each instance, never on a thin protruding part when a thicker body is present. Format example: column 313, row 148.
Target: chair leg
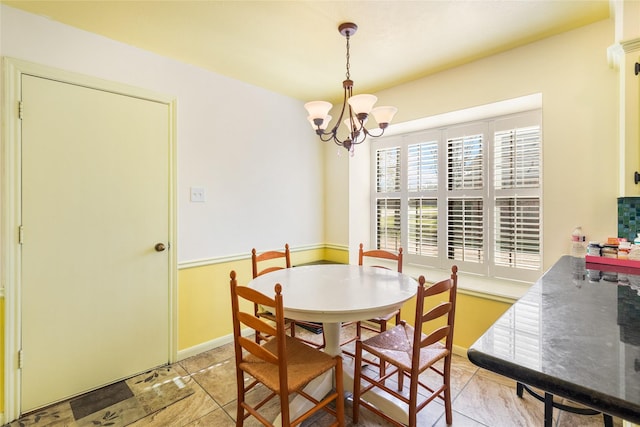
column 383, row 369
column 356, row 381
column 383, row 328
column 413, row 400
column 340, row 398
column 240, row 408
column 447, row 390
column 284, row 409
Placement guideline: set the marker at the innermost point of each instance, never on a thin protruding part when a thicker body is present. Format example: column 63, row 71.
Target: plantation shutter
column 465, row 205
column 465, row 230
column 517, row 158
column 465, row 162
column 388, row 185
column 422, row 186
column 517, row 228
column 388, row 170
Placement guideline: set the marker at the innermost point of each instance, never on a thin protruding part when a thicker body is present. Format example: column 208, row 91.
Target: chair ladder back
column 438, row 311
column 267, row 256
column 417, row 324
column 435, row 336
column 382, row 254
column 256, row 323
column 244, row 318
column 444, row 308
column 258, row 350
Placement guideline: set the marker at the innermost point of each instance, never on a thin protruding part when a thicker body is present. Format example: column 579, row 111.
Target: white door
column 95, row 290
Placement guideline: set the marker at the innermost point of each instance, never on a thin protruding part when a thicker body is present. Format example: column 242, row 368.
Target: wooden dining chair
column 282, row 364
column 264, row 263
column 406, row 351
column 378, row 324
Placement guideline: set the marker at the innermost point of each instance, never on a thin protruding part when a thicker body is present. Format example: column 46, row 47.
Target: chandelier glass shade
column 356, row 108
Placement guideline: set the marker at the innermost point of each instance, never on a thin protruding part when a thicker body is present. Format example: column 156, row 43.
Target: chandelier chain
column 348, row 74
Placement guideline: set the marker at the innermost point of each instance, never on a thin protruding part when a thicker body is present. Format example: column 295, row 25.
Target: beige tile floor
column 480, row 398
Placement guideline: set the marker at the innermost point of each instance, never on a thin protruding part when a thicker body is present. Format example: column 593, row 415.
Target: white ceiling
column 293, row 47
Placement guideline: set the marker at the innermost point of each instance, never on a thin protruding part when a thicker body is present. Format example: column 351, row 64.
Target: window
column 466, row 194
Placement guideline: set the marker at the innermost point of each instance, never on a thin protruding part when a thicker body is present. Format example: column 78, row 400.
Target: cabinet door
column 629, row 126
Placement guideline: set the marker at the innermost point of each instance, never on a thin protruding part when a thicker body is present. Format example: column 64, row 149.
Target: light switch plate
column 198, row 194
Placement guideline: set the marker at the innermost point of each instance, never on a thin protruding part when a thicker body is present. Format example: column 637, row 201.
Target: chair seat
column 384, row 318
column 396, row 346
column 304, row 363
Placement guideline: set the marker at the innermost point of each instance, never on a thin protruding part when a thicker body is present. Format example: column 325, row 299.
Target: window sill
column 484, row 287
column 501, row 290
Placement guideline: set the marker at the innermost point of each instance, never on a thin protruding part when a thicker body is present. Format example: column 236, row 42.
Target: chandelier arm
column 372, row 135
column 325, row 136
column 338, row 142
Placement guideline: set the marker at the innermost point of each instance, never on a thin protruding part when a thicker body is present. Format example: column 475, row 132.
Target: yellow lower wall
column 204, row 312
column 204, row 302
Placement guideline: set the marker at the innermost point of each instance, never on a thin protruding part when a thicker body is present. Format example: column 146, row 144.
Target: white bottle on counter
column 578, row 245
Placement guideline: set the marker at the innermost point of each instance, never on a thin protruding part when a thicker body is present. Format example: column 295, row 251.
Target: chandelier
column 356, row 107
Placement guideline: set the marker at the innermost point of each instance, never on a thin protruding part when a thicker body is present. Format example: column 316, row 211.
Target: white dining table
column 336, row 293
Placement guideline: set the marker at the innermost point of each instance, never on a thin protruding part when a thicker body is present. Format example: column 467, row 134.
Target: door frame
column 10, row 209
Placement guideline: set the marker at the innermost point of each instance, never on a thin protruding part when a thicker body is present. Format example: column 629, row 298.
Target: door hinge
column 20, row 360
column 20, row 234
column 20, row 109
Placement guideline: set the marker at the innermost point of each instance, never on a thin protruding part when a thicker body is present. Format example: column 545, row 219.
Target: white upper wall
column 252, row 150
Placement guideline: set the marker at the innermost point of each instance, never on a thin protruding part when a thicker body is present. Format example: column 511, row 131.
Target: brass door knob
column 160, row 247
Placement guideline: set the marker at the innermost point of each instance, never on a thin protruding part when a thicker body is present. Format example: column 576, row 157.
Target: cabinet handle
column 636, row 177
column 637, row 68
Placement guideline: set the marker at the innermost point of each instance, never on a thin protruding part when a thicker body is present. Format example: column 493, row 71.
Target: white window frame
column 487, row 126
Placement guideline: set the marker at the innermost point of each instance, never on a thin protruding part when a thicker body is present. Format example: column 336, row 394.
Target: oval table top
column 337, row 292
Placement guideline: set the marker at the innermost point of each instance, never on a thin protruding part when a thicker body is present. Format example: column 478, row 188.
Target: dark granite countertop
column 575, row 334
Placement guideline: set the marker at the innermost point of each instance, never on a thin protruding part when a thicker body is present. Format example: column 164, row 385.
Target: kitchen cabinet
column 625, row 55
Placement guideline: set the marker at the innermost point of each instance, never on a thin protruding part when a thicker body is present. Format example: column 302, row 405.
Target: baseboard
column 459, row 351
column 210, row 345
